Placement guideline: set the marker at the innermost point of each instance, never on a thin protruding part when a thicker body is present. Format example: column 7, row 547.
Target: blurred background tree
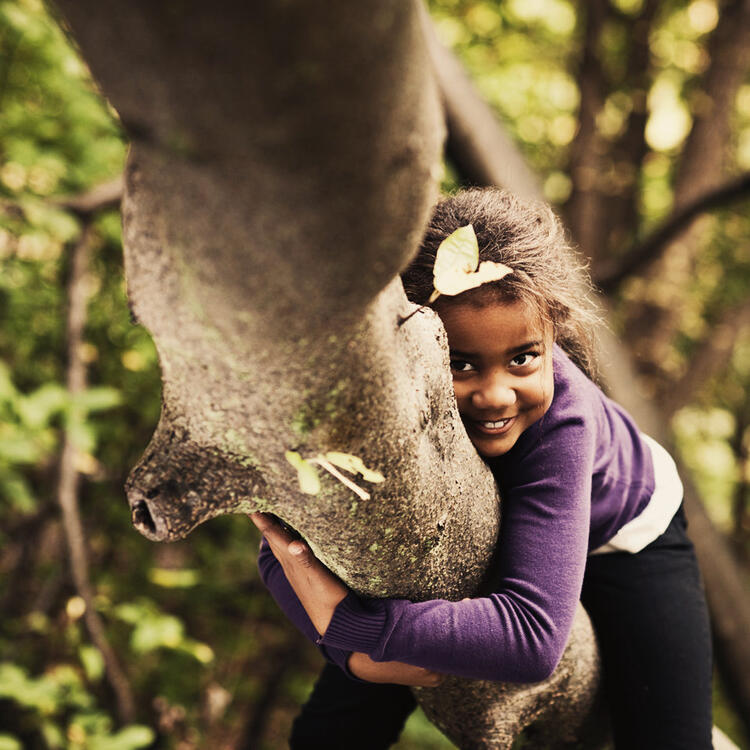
column 628, row 110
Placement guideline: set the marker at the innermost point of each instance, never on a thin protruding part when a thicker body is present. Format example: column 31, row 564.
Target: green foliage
column 420, row 734
column 56, row 134
column 58, row 137
column 514, row 51
column 64, row 712
column 152, row 629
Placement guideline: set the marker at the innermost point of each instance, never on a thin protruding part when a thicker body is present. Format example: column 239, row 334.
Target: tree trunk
column 584, row 210
column 269, row 207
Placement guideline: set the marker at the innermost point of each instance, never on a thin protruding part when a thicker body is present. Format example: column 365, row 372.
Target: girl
column 591, row 510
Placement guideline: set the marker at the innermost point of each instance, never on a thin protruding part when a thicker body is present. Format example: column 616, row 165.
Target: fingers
column 426, row 678
column 276, row 535
column 393, row 672
column 262, row 521
column 423, row 677
column 432, row 679
column 281, row 541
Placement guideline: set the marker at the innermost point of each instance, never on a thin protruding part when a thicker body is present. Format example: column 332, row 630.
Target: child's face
column 501, row 362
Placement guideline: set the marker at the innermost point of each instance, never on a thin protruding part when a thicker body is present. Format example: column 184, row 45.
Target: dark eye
column 460, row 365
column 521, row 360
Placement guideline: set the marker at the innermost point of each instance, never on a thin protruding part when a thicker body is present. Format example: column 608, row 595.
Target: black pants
column 650, row 617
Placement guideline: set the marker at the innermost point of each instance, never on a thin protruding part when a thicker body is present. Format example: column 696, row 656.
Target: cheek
column 463, row 393
column 546, row 390
column 538, row 394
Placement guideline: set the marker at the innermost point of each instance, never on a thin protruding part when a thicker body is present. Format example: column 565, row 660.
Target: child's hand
column 394, row 672
column 319, row 592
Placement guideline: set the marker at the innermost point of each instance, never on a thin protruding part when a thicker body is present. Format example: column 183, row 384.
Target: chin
column 491, row 449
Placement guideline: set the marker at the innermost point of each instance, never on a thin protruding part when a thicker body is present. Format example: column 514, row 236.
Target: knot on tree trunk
column 179, row 483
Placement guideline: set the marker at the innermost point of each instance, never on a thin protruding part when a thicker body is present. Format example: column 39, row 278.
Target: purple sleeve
column 272, row 575
column 517, row 634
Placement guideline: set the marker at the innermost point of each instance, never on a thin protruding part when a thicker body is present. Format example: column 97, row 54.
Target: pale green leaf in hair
column 307, row 475
column 456, row 262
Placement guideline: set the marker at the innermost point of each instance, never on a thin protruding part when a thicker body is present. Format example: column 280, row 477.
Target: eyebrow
column 538, row 344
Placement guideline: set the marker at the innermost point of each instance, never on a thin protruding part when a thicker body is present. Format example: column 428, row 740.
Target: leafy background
column 210, row 660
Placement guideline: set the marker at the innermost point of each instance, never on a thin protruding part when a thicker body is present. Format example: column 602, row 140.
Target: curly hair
column 528, row 237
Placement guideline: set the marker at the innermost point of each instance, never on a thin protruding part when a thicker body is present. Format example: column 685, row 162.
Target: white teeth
column 495, row 425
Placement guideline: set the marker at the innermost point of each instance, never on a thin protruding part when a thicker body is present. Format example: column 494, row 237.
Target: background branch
column 487, row 153
column 584, row 212
column 651, row 249
column 99, row 198
column 69, row 479
column 710, row 358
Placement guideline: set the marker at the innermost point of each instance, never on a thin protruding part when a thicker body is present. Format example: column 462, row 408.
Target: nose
column 494, row 391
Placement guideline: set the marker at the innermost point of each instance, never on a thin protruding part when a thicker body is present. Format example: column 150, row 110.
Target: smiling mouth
column 493, row 427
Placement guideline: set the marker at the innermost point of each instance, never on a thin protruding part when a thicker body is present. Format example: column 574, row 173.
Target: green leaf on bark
column 307, row 474
column 355, row 465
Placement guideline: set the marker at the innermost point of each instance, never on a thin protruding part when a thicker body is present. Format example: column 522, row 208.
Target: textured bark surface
column 283, row 164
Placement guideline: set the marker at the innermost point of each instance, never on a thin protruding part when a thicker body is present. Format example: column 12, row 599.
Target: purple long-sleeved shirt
column 570, row 482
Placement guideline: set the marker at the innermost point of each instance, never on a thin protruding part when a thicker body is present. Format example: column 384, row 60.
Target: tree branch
column 651, row 249
column 100, row 197
column 473, row 135
column 265, row 223
column 705, row 154
column 69, row 479
column 83, row 205
column 583, row 210
column 620, row 204
column 741, row 495
column 710, row 358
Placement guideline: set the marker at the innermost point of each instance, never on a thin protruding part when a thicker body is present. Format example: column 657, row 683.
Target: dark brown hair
column 529, row 238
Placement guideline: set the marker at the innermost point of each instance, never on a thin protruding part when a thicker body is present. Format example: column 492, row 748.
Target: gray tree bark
column 283, row 163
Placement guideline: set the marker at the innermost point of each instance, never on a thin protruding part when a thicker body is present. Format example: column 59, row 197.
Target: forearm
column 483, row 638
column 516, row 634
column 273, row 577
column 357, row 665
